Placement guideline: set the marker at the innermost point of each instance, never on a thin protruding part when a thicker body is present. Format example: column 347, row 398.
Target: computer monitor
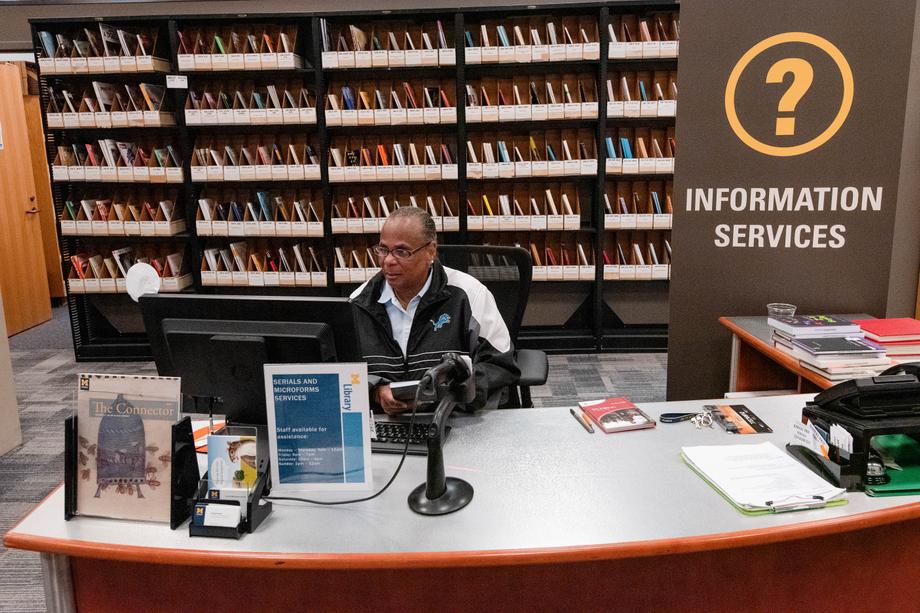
column 218, row 344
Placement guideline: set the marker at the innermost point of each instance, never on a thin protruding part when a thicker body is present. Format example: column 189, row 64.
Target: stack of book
column 900, row 336
column 833, row 347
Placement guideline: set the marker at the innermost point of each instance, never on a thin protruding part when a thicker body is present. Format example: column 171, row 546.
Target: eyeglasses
column 400, row 253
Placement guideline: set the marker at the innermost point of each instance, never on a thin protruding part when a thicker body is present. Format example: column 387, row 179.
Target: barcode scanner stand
column 449, row 383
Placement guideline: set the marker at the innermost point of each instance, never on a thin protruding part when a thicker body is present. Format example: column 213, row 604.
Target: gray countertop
column 541, row 481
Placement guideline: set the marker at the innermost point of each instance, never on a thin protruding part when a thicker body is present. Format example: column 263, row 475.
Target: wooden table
column 757, row 365
column 560, row 520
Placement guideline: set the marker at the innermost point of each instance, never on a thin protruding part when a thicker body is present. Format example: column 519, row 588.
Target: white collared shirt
column 400, row 318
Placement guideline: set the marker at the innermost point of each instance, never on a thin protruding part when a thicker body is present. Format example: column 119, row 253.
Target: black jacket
column 457, row 313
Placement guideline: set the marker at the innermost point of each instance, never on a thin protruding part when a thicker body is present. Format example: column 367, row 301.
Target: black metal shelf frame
column 593, row 330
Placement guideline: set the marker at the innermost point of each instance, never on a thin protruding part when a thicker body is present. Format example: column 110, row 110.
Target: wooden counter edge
column 457, row 559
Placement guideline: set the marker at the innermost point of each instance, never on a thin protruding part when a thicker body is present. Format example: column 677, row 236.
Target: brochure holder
column 257, row 510
column 840, row 467
column 183, row 472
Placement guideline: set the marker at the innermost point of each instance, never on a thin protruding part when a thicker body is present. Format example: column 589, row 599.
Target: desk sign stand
column 183, row 470
column 255, row 512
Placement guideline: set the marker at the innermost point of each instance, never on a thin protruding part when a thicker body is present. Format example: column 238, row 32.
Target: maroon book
column 616, row 415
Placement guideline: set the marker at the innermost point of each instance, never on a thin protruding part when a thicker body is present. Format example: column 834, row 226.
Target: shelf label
column 176, row 81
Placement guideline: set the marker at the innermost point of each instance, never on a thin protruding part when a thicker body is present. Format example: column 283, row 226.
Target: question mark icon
column 802, row 77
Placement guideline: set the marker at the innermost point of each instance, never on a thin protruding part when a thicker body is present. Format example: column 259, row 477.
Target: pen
column 579, row 417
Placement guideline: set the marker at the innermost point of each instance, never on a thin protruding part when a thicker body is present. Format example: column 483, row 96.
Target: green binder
column 905, row 451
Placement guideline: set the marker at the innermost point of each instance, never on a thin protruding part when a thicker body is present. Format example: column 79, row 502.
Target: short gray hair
column 429, row 231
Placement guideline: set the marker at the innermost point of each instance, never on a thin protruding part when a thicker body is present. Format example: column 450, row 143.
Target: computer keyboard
column 391, row 437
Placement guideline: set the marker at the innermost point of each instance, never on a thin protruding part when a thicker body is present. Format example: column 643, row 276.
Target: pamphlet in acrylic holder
column 183, row 472
column 257, row 509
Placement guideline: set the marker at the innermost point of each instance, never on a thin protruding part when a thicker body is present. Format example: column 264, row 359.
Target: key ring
column 702, row 419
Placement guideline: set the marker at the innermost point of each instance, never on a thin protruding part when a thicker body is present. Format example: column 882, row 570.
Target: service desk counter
column 560, row 520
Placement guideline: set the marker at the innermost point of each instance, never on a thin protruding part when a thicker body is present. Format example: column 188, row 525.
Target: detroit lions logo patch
column 443, row 320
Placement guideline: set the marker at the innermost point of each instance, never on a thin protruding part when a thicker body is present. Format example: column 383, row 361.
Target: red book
column 79, row 262
column 891, row 330
column 268, row 42
column 270, row 260
column 382, row 159
column 410, row 96
column 151, row 211
column 354, row 209
column 102, row 207
column 91, row 154
column 616, row 415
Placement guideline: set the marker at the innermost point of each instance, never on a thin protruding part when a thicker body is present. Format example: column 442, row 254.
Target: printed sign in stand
column 318, row 432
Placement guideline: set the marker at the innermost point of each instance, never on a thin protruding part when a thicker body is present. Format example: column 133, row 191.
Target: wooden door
column 45, row 201
column 23, row 282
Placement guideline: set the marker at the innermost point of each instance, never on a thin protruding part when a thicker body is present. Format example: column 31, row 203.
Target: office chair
column 506, row 271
